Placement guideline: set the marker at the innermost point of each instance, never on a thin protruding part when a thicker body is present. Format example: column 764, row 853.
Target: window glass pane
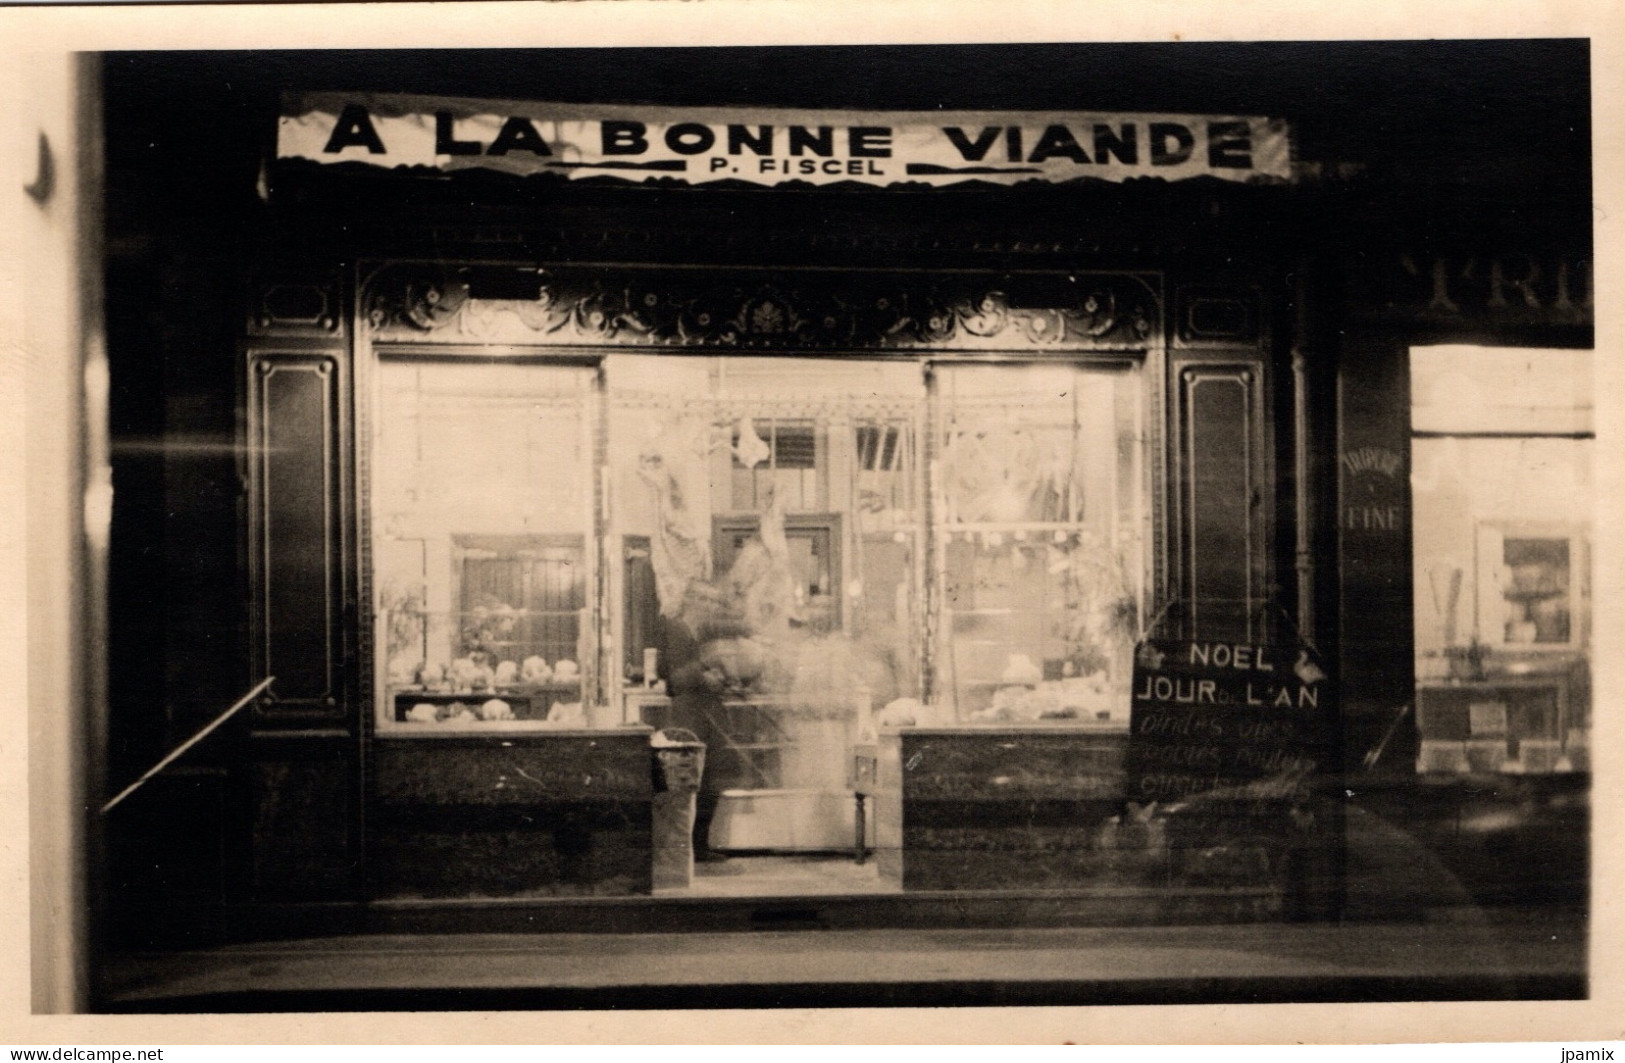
column 1479, row 389
column 482, row 497
column 1042, row 540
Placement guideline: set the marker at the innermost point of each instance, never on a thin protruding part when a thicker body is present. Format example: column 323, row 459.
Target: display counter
column 416, row 710
column 1508, row 724
column 533, row 813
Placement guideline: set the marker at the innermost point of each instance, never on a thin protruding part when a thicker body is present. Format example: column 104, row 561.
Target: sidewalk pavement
column 1468, row 956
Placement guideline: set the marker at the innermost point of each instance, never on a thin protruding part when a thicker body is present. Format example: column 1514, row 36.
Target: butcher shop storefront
column 708, row 517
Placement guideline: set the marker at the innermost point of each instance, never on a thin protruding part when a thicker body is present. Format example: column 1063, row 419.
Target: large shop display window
column 1041, row 541
column 1502, row 487
column 819, row 546
column 483, row 557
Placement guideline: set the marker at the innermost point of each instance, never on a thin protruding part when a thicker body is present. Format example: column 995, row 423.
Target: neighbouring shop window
column 482, row 520
column 1040, row 534
column 1502, row 486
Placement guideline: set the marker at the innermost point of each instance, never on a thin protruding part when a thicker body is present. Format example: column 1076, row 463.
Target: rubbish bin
column 679, row 761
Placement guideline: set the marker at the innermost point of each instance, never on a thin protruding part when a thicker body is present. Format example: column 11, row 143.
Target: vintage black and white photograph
column 787, row 526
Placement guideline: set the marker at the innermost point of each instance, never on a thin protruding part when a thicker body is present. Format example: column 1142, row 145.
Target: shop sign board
column 1438, row 290
column 1225, row 719
column 773, row 147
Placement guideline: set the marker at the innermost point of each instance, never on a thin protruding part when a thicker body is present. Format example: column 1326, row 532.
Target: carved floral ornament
column 835, row 311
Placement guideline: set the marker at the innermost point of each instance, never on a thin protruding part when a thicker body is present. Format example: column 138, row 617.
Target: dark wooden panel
column 1374, row 547
column 1217, row 315
column 304, row 811
column 1224, row 498
column 297, row 526
column 1520, row 839
column 166, row 861
column 296, row 306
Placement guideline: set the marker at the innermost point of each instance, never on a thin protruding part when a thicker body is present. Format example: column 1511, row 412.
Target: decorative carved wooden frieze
column 777, row 309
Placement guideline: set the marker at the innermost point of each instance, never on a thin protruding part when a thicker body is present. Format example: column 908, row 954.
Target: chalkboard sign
column 1225, row 719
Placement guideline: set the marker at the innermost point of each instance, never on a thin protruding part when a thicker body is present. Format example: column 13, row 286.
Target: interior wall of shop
column 188, row 137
